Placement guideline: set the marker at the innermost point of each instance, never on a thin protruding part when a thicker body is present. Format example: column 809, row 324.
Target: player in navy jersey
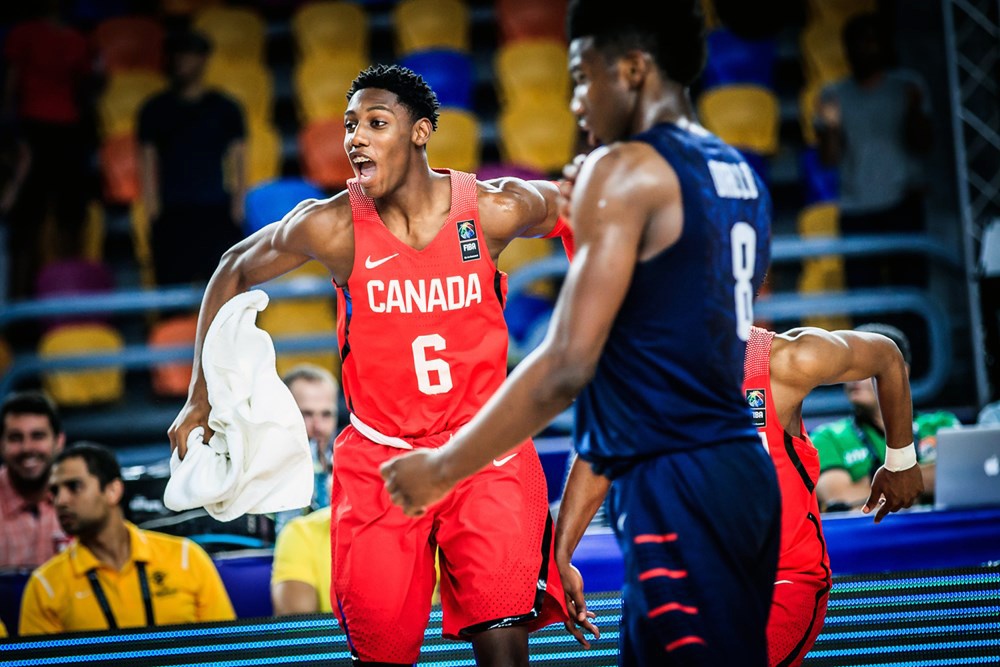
column 649, row 335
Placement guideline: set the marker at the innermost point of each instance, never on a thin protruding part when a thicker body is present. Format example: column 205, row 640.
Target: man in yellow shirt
column 114, row 575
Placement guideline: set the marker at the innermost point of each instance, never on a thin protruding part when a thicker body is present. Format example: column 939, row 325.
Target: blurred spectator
column 853, row 448
column 300, row 578
column 47, row 94
column 875, row 125
column 315, row 391
column 192, row 166
column 30, row 438
column 115, row 575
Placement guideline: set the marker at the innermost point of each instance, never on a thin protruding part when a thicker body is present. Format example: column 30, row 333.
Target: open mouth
column 364, row 167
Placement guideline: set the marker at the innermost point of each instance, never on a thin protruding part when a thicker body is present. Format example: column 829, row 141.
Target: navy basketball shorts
column 699, row 531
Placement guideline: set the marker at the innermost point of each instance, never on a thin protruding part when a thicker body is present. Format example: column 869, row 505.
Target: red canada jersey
column 796, row 460
column 423, row 340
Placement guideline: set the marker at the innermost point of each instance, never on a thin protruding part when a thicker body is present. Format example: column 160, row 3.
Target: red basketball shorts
column 495, row 537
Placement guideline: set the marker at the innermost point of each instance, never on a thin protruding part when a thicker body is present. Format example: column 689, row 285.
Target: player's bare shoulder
column 322, row 229
column 508, row 200
column 803, row 354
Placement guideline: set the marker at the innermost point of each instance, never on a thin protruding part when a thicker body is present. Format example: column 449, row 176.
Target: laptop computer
column 968, row 467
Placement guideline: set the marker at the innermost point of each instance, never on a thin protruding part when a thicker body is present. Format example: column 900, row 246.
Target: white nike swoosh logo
column 369, row 264
column 500, row 462
column 783, row 581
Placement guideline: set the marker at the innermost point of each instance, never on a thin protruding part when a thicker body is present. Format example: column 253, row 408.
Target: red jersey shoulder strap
column 362, row 206
column 757, row 361
column 464, row 196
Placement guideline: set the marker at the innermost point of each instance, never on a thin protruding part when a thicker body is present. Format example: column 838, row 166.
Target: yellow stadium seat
column 90, row 386
column 542, row 136
column 248, row 82
column 236, row 33
column 121, row 100
column 808, row 99
column 522, row 251
column 836, row 12
column 711, row 17
column 331, row 27
column 456, row 143
column 531, row 69
column 430, row 24
column 743, row 115
column 293, row 318
column 822, row 49
column 822, row 274
column 263, row 152
column 321, row 83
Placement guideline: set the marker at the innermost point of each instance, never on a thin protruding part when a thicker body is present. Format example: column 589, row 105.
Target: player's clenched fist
column 416, row 480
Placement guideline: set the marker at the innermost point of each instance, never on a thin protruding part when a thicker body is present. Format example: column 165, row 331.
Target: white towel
column 258, row 460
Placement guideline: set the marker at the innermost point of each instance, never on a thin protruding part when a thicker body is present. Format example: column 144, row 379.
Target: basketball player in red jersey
column 780, row 371
column 412, row 252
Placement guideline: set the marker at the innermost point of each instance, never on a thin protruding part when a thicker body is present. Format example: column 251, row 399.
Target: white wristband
column 901, row 458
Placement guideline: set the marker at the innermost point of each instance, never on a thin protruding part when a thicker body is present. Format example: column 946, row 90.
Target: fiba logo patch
column 467, row 241
column 757, row 400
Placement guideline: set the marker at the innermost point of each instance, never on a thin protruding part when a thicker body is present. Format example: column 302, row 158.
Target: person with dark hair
column 315, row 391
column 30, row 437
column 673, row 232
column 423, row 343
column 781, row 369
column 191, row 137
column 875, row 127
column 114, row 575
column 852, row 450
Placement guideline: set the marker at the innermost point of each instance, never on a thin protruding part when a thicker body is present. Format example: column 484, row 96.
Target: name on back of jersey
column 424, row 296
column 733, row 180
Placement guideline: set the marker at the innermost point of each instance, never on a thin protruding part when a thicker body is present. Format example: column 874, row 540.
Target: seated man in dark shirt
column 192, row 140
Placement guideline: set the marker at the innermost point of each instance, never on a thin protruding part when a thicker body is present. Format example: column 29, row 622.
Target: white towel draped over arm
column 258, row 460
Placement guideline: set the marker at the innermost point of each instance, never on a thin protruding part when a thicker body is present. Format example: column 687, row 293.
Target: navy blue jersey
column 671, row 374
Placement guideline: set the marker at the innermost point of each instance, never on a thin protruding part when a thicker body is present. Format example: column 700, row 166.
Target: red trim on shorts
column 655, row 539
column 662, row 572
column 684, row 641
column 672, row 606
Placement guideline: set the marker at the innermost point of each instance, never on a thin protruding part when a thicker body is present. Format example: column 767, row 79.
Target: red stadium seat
column 129, row 42
column 321, row 151
column 530, row 19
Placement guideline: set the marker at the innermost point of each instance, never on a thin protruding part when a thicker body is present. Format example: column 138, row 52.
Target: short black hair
column 673, row 32
column 412, row 90
column 892, row 333
column 100, row 460
column 31, row 402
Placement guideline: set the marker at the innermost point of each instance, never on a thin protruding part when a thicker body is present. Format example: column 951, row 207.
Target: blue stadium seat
column 449, row 72
column 12, row 583
column 271, row 200
column 734, row 59
column 247, row 578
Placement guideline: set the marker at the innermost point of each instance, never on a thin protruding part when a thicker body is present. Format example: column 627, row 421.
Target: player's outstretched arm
column 612, row 204
column 582, row 496
column 307, row 232
column 817, row 357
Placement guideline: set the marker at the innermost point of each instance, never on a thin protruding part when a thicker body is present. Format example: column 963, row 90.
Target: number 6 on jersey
column 424, row 366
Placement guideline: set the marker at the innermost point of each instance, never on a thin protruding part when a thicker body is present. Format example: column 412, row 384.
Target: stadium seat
column 430, row 24
column 836, row 12
column 540, row 136
column 734, row 59
column 820, row 182
column 301, row 317
column 248, row 82
column 492, row 170
column 91, row 386
column 320, row 85
column 745, row 116
column 236, row 33
column 822, row 51
column 822, row 274
column 450, row 73
column 185, row 9
column 263, row 152
column 119, row 103
column 522, row 251
column 69, row 277
column 269, row 201
column 456, row 144
column 321, row 153
column 331, row 28
column 808, row 99
column 129, row 42
column 139, row 227
column 172, row 380
column 531, row 70
column 12, row 583
column 530, row 19
column 118, row 157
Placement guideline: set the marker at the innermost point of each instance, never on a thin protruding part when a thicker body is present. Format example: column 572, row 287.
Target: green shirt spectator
column 858, row 446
